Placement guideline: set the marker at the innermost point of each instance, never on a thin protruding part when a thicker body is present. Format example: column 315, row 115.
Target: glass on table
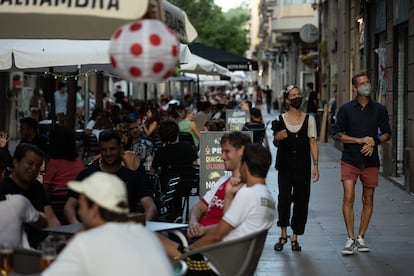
column 48, row 253
column 6, row 258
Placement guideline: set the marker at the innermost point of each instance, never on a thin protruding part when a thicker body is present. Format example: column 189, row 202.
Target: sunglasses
column 289, row 88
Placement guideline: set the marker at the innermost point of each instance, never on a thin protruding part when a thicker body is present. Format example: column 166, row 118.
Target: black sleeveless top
column 293, row 153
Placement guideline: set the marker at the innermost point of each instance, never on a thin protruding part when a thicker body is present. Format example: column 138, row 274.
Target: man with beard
column 111, row 151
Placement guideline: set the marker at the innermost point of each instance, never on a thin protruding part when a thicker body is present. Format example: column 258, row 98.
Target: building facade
column 376, row 37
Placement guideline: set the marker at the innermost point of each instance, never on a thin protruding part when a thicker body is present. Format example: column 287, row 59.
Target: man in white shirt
column 209, row 210
column 15, row 210
column 252, row 209
column 111, row 245
column 249, row 211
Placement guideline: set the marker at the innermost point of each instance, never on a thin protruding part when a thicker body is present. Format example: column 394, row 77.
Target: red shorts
column 368, row 176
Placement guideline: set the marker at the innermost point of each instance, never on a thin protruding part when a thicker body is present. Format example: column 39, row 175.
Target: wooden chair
column 233, row 258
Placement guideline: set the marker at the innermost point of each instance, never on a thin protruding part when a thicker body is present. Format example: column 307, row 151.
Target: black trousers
column 294, row 187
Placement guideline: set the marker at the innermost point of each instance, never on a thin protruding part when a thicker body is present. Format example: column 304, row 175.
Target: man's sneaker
column 349, row 247
column 362, row 247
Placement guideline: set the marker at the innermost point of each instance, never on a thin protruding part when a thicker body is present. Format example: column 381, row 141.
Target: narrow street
column 390, row 235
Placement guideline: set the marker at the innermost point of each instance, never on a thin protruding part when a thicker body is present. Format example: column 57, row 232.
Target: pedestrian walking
column 361, row 125
column 295, row 136
column 269, row 96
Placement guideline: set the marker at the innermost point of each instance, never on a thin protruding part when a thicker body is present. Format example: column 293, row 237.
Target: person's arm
column 195, row 129
column 195, row 229
column 31, row 215
column 149, row 207
column 52, row 220
column 151, row 129
column 69, row 210
column 216, row 234
column 315, row 158
column 4, row 140
column 41, row 221
column 131, row 161
column 232, row 186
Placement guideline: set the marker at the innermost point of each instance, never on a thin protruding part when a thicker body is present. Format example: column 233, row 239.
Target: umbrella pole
column 198, row 87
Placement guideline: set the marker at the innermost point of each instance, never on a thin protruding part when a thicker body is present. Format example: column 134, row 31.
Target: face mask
column 296, row 102
column 364, row 90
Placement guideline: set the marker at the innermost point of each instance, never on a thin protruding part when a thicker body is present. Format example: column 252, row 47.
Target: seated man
column 142, row 147
column 209, row 210
column 15, row 210
column 29, row 134
column 249, row 211
column 111, row 245
column 27, row 160
column 111, row 162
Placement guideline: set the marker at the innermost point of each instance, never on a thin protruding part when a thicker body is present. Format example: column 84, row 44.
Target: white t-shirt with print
column 252, row 210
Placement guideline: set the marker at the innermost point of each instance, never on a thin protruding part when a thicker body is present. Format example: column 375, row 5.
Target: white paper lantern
column 144, row 51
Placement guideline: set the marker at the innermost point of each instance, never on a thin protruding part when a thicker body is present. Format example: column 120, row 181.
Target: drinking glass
column 6, row 259
column 48, row 254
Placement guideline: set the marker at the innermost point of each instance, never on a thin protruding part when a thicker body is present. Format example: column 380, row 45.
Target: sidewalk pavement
column 390, row 235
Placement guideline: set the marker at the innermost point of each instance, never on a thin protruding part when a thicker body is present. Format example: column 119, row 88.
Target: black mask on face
column 296, row 102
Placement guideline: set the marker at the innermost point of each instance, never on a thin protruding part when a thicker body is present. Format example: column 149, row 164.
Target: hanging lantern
column 144, row 51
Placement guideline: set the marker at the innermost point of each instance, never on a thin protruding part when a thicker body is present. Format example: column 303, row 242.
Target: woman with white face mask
column 295, row 136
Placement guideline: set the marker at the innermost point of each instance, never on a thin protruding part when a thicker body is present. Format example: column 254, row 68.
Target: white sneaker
column 362, row 247
column 349, row 247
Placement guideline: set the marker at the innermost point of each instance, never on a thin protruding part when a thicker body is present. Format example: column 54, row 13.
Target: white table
column 150, row 225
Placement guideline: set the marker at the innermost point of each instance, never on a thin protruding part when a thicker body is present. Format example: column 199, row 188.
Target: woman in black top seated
column 172, row 159
column 256, row 125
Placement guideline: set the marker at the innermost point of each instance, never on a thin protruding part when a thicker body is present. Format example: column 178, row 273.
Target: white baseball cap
column 106, row 190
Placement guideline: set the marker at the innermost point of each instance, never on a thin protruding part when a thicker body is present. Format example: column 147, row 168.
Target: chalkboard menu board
column 211, row 164
column 236, row 118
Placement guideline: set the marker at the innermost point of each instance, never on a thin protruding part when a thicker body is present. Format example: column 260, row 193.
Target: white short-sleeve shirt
column 252, row 210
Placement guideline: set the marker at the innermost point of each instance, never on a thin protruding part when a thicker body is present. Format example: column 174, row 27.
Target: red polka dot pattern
column 144, row 51
column 136, row 49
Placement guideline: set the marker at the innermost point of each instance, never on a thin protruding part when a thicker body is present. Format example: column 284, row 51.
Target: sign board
column 211, row 164
column 236, row 118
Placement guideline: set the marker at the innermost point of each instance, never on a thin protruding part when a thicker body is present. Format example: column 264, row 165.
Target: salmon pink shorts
column 368, row 176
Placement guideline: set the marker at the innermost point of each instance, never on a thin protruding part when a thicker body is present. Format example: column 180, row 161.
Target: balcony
column 290, row 18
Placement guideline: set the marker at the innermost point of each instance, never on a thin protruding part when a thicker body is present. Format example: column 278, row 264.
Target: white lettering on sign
column 94, row 4
column 236, row 120
column 116, row 9
column 239, row 114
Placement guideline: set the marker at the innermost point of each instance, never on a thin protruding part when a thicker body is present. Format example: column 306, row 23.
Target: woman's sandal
column 295, row 246
column 279, row 245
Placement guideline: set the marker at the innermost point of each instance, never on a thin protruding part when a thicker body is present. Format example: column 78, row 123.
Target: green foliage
column 224, row 31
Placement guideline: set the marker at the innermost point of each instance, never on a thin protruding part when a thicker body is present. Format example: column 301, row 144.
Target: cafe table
column 154, row 226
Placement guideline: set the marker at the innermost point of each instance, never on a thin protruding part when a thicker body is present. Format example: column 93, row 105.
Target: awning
column 90, row 20
column 228, row 60
column 199, row 65
column 16, row 54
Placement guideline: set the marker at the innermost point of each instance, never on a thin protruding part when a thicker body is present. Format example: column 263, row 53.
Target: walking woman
column 295, row 136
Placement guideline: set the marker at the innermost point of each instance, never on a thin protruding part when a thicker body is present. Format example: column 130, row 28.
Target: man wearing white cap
column 111, row 245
